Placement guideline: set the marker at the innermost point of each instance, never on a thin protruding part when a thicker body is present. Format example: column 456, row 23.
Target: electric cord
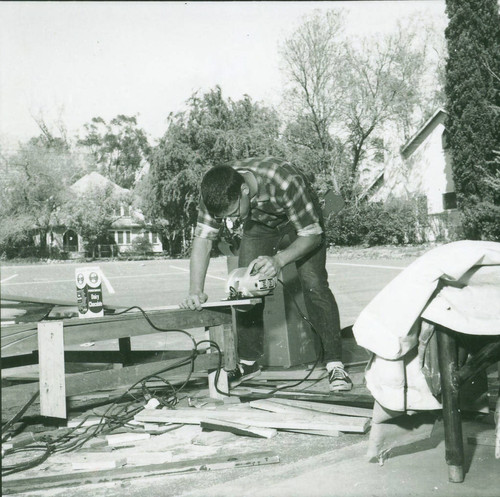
column 320, row 355
column 15, row 468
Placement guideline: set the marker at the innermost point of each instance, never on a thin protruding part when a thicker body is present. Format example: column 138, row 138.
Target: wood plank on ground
column 320, row 433
column 327, row 408
column 290, row 374
column 330, row 398
column 13, row 486
column 286, row 421
column 344, row 422
column 238, row 428
column 102, row 465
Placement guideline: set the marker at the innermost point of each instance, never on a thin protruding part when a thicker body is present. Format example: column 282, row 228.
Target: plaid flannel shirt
column 283, row 195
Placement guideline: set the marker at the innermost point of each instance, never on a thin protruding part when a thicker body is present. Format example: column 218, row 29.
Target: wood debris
column 80, row 478
column 195, row 434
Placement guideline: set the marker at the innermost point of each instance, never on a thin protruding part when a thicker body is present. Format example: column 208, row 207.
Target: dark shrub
column 375, row 223
column 481, row 222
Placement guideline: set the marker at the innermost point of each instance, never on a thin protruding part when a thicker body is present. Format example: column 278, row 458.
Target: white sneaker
column 339, row 380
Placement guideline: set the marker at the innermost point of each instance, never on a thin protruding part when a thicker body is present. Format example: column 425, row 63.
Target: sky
column 71, row 61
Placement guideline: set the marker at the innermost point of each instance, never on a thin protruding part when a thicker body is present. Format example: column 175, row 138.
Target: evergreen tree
column 473, row 94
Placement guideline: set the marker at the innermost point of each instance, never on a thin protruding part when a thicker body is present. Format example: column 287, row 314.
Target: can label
column 89, row 292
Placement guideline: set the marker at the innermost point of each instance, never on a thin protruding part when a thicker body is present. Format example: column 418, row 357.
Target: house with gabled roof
column 128, row 224
column 421, row 168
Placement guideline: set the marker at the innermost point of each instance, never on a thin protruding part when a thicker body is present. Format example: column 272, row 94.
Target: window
column 119, row 239
column 154, row 237
column 127, row 237
column 449, row 200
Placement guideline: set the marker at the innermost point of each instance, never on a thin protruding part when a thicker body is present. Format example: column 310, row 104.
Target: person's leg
column 324, row 315
column 256, row 240
column 320, row 303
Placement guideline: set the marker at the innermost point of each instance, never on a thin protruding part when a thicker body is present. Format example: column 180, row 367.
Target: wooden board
column 343, row 421
column 285, row 421
column 294, row 374
column 330, row 398
column 238, row 428
column 51, row 367
column 319, row 433
column 12, row 486
column 222, row 303
column 327, row 408
column 22, row 338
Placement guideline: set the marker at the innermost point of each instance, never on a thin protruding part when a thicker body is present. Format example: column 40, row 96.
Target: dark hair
column 220, row 187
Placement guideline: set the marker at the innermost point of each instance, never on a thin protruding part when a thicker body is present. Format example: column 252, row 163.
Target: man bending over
column 282, row 224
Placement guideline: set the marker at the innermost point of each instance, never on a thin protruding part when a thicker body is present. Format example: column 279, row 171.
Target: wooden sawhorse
column 452, row 377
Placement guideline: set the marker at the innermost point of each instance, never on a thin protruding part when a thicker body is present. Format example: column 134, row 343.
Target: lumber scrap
column 291, row 374
column 98, row 465
column 51, row 367
column 258, row 418
column 211, row 438
column 119, row 457
column 125, row 438
column 253, row 393
column 327, row 408
column 298, row 375
column 345, row 423
column 238, row 428
column 11, row 486
column 320, row 433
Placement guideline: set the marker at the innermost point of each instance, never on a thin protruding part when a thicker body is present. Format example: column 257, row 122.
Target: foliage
column 15, row 233
column 481, row 221
column 141, row 245
column 120, row 149
column 376, row 223
column 211, row 131
column 91, row 214
column 342, row 92
column 473, row 100
column 34, row 184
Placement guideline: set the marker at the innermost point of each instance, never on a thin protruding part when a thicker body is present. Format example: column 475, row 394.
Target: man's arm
column 303, row 245
column 198, row 265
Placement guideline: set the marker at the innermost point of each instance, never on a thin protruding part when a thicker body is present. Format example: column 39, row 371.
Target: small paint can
column 89, row 292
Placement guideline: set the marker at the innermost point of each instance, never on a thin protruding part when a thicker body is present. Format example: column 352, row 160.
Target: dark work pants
column 320, row 303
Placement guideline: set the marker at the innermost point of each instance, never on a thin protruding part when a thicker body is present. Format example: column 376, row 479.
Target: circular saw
column 247, row 282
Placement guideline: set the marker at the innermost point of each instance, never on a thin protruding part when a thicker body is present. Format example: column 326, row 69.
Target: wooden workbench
column 20, row 347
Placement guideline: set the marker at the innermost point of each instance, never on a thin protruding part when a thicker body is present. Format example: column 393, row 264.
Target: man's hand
column 267, row 265
column 193, row 301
